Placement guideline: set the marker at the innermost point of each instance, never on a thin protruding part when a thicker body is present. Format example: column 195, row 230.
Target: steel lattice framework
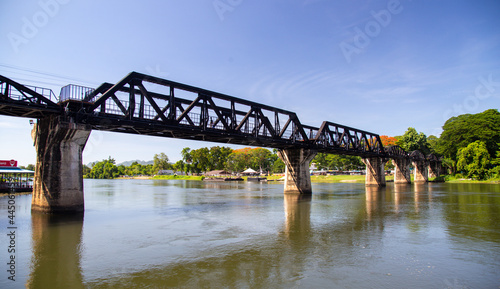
column 147, row 105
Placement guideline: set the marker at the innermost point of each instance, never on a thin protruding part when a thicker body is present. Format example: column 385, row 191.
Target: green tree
column 320, row 161
column 86, row 170
column 260, row 159
column 412, row 140
column 200, row 160
column 160, row 162
column 278, row 165
column 186, row 157
column 217, row 157
column 474, row 160
column 433, row 142
column 238, row 161
column 337, row 162
column 179, row 166
column 459, row 132
column 105, row 169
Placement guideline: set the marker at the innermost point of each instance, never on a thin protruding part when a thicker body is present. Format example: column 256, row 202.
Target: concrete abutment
column 58, row 183
column 297, row 175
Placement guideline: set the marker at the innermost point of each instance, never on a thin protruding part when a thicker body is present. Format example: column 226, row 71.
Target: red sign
column 11, row 163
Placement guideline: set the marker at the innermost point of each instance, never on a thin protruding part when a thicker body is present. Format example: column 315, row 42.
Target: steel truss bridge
column 147, row 105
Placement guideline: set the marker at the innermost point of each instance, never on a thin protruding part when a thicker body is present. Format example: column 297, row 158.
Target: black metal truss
column 147, row 105
column 23, row 101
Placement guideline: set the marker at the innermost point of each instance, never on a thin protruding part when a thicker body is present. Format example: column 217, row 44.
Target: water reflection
column 56, row 251
column 297, row 216
column 374, row 201
column 202, row 235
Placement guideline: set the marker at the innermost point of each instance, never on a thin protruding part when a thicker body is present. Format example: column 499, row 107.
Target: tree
column 186, row 155
column 260, row 159
column 105, row 169
column 412, row 140
column 474, row 160
column 160, row 162
column 218, row 157
column 200, row 160
column 85, row 170
column 337, row 162
column 433, row 142
column 495, row 171
column 388, row 141
column 179, row 166
column 278, row 165
column 237, row 161
column 459, row 132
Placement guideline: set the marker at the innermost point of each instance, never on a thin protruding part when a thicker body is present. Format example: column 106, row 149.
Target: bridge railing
column 14, row 94
column 74, row 92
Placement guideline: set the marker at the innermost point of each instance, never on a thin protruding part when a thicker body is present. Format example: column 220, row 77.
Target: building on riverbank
column 13, row 178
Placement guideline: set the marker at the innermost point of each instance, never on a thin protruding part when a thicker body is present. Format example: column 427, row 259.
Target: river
column 191, row 234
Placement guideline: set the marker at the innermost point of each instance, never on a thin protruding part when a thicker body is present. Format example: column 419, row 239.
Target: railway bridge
column 147, row 105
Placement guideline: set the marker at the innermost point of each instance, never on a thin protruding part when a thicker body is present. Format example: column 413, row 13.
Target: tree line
column 469, row 144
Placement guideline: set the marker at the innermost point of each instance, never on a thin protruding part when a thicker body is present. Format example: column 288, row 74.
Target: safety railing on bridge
column 74, row 92
column 13, row 93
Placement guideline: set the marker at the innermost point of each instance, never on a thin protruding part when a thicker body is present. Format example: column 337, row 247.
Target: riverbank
column 324, row 179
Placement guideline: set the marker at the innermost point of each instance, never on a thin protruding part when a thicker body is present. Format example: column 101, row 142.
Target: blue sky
column 381, row 66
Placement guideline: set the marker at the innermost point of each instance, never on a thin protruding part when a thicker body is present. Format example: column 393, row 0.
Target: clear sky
column 380, row 66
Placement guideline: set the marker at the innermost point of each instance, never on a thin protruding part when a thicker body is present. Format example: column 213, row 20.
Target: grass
column 459, row 179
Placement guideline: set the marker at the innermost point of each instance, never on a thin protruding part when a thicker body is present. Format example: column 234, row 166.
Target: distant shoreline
column 314, row 179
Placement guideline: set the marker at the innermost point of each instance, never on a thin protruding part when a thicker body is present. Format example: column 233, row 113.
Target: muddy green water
column 189, row 234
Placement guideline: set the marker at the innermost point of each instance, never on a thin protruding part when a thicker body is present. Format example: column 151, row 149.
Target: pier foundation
column 297, row 175
column 421, row 174
column 402, row 173
column 375, row 175
column 58, row 183
column 434, row 169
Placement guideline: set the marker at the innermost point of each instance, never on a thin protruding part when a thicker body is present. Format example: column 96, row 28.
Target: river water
column 191, row 234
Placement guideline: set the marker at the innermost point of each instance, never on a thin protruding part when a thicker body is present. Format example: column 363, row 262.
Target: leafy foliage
column 388, row 141
column 204, row 159
column 259, row 159
column 161, row 162
column 337, row 162
column 412, row 140
column 474, row 160
column 105, row 169
column 460, row 131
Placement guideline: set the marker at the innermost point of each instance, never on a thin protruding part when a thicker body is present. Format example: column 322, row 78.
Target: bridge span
column 147, row 105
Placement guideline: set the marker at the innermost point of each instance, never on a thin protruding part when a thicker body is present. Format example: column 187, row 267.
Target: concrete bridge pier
column 421, row 173
column 58, row 183
column 375, row 175
column 402, row 173
column 297, row 175
column 434, row 169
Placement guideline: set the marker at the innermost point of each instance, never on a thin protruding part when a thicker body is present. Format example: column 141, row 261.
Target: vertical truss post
column 131, row 104
column 172, row 114
column 277, row 128
column 233, row 116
